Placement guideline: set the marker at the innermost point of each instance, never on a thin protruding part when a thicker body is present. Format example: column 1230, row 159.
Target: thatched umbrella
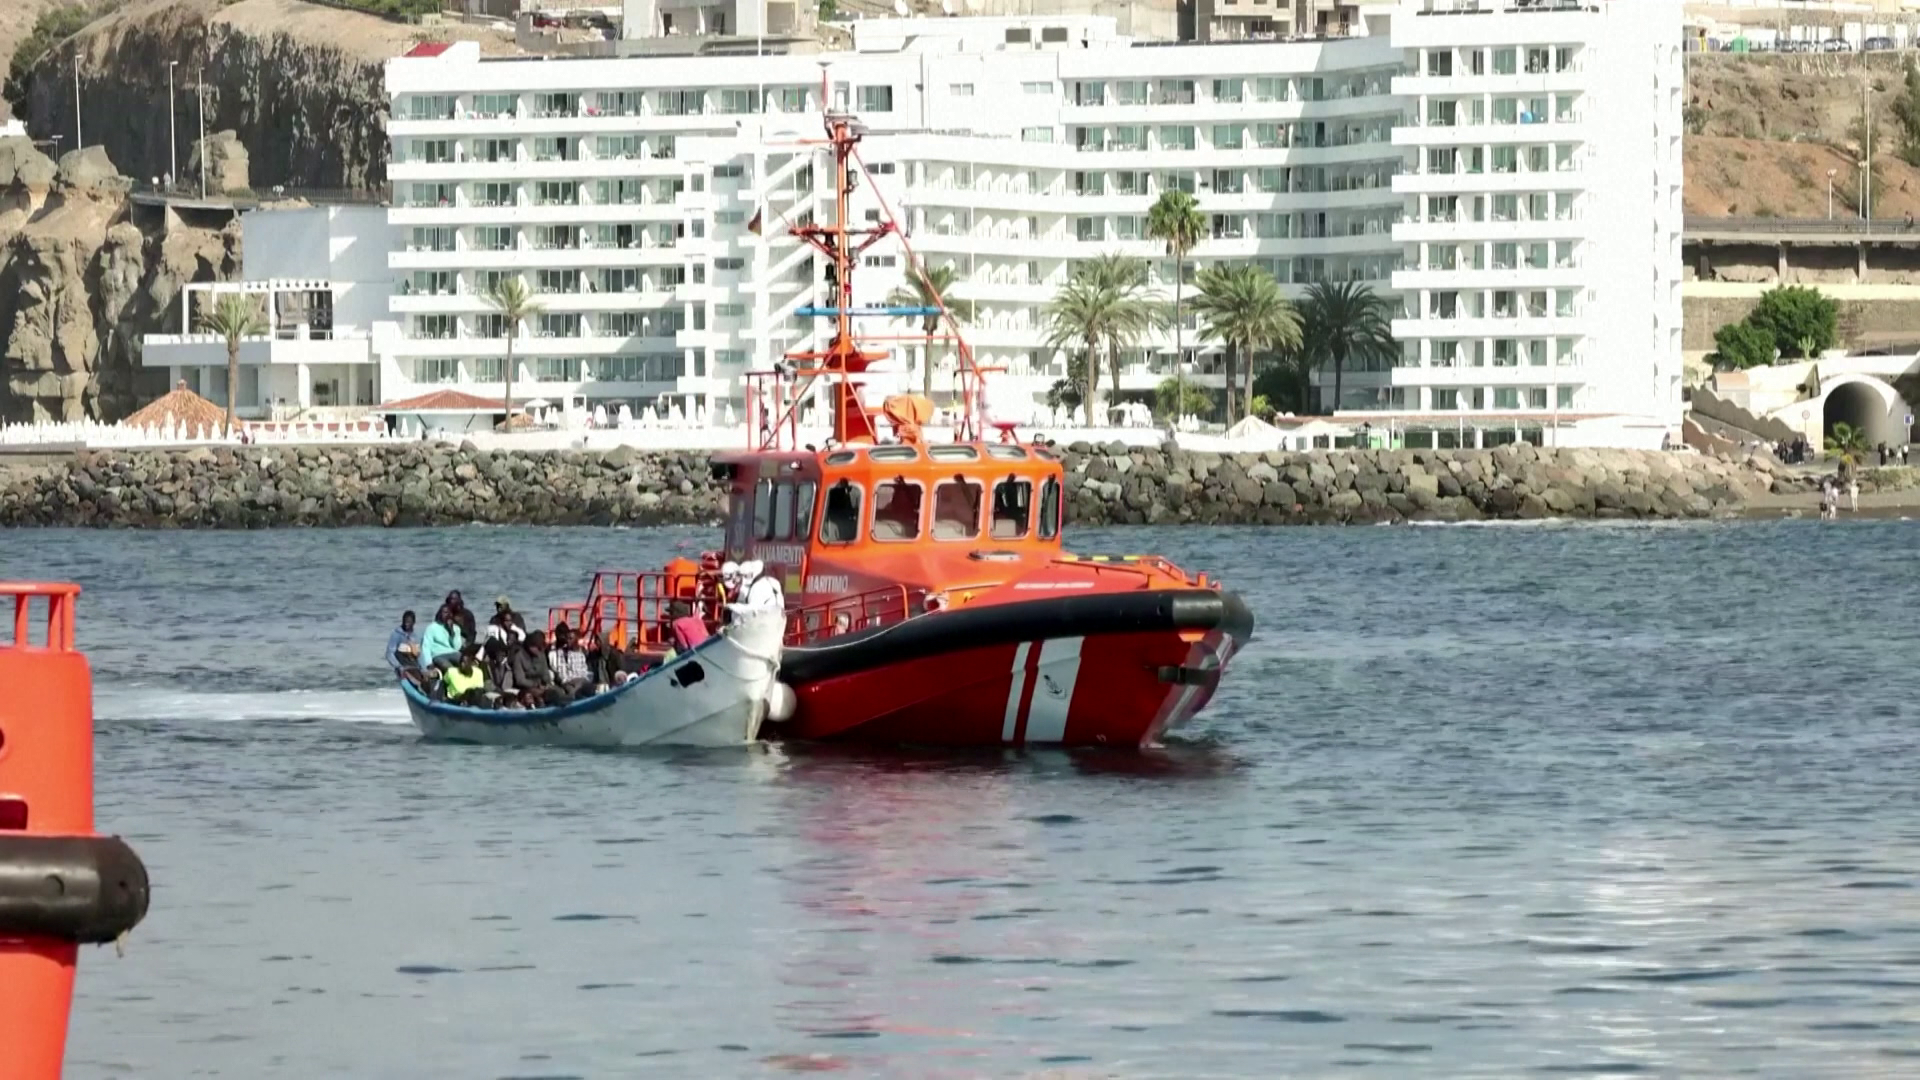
column 180, row 408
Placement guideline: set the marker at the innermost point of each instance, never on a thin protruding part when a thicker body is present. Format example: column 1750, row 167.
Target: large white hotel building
column 1508, row 171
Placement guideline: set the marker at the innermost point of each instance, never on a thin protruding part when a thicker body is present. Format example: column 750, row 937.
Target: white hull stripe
column 1012, row 722
column 1059, row 670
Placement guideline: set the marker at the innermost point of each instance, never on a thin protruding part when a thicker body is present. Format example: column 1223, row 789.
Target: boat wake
column 373, row 706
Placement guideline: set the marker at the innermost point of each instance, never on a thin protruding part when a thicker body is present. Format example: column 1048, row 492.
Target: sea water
column 1500, row 802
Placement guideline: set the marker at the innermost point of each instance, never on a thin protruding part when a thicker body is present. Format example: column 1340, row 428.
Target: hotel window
column 1445, row 353
column 556, row 368
column 1090, row 93
column 1270, row 181
column 1127, row 137
column 1229, row 181
column 1273, row 226
column 553, row 105
column 1228, row 226
column 494, row 194
column 1036, row 134
column 1128, row 227
column 1566, row 303
column 556, row 193
column 1228, row 136
column 1536, row 353
column 1089, row 229
column 729, row 311
column 1506, row 397
column 493, row 106
column 1563, row 353
column 1506, row 256
column 619, row 148
column 1563, row 58
column 1174, row 92
column 729, row 264
column 1564, row 397
column 1506, row 353
column 1229, row 91
column 434, row 327
column 1089, row 183
column 490, row 326
column 1440, row 62
column 1539, row 61
column 430, row 195
column 793, row 99
column 1563, row 160
column 430, row 108
column 1506, row 62
column 486, row 369
column 680, row 102
column 436, row 369
column 1270, row 88
column 1446, row 399
column 1129, row 92
column 556, row 281
column 1536, row 397
column 1506, row 208
column 1180, row 181
column 550, row 325
column 493, row 238
column 960, row 89
column 739, row 101
column 494, row 150
column 1176, row 137
column 876, row 99
column 619, row 103
column 430, row 151
column 553, row 148
column 729, row 217
column 1129, row 183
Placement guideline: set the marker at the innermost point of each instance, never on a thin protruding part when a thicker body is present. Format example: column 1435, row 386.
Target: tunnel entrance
column 1871, row 407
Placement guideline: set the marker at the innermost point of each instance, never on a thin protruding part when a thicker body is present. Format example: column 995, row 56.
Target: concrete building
column 323, row 287
column 1515, row 177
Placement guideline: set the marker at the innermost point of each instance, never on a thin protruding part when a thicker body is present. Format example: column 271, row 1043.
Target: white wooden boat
column 715, row 695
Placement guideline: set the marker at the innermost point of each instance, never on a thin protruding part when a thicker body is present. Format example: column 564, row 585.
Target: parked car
column 1878, row 44
column 1837, row 45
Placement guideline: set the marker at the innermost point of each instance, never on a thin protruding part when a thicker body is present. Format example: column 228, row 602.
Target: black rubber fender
column 85, row 889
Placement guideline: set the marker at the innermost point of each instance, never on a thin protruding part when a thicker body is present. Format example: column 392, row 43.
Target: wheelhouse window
column 1012, row 508
column 1050, row 509
column 896, row 510
column 956, row 509
column 782, row 513
column 841, row 522
column 804, row 493
column 763, row 510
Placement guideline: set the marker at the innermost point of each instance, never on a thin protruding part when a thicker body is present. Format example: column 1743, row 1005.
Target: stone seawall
column 435, row 484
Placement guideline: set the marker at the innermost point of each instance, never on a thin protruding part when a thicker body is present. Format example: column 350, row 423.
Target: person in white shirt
column 759, row 591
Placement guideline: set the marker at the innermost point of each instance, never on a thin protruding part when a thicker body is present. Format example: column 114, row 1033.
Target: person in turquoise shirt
column 440, row 645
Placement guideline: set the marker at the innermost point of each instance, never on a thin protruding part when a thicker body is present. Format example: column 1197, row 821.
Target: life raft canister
column 61, row 886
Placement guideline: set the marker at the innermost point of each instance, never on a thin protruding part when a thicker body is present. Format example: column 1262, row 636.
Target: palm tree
column 1096, row 308
column 514, row 301
column 1175, row 219
column 927, row 287
column 1243, row 308
column 1126, row 275
column 233, row 317
column 1848, row 444
column 1344, row 321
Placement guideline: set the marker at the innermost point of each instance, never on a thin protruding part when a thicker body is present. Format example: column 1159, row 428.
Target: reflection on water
column 1476, row 802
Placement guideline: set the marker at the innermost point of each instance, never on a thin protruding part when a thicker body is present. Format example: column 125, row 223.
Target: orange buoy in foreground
column 60, row 885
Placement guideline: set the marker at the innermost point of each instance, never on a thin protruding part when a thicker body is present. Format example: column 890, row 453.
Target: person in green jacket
column 440, row 645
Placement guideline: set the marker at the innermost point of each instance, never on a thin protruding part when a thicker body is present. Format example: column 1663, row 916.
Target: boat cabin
column 905, row 521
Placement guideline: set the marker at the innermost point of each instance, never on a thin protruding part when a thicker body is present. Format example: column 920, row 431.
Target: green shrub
column 1800, row 320
column 1741, row 345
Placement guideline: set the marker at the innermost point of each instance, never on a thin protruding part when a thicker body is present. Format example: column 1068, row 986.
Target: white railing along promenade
column 94, row 434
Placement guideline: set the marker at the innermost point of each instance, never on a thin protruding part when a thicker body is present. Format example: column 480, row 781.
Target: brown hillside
column 1764, row 130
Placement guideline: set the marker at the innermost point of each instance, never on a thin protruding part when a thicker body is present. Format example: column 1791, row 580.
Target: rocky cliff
column 436, row 484
column 306, row 102
column 82, row 278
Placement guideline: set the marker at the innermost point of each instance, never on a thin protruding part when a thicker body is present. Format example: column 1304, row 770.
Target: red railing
column 58, row 633
column 630, row 608
column 860, row 611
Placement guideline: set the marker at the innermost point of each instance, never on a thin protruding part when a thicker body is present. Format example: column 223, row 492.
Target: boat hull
column 1083, row 671
column 715, row 695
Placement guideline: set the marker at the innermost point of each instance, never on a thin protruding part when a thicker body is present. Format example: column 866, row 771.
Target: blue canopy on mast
column 811, row 312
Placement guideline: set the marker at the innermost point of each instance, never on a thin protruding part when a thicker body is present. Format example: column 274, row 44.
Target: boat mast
column 843, row 360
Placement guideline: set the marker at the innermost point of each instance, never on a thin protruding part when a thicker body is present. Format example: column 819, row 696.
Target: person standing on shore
column 1853, row 494
column 1827, row 497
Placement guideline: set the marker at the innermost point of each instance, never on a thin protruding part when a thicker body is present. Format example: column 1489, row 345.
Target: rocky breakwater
column 426, row 484
column 1117, row 485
